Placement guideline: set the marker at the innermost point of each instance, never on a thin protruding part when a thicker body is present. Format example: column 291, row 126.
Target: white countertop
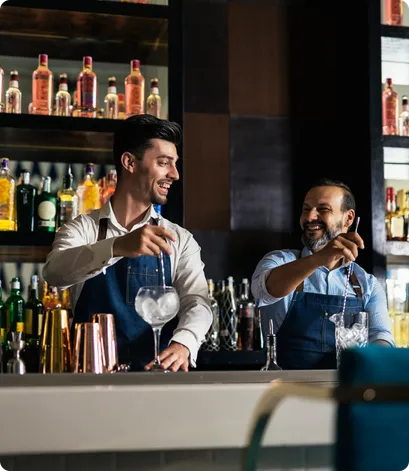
column 123, row 413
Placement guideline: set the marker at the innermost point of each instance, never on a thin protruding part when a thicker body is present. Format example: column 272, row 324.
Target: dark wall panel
column 261, row 193
column 206, row 56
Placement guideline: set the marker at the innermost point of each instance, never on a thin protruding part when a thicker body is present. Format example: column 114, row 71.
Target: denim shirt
column 322, row 281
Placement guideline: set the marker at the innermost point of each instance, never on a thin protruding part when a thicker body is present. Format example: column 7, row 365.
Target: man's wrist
column 117, row 250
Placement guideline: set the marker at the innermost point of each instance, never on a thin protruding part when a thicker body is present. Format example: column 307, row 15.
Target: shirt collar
column 107, row 212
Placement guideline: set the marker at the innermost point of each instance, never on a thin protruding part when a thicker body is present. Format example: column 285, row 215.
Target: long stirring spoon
column 347, row 281
column 162, row 266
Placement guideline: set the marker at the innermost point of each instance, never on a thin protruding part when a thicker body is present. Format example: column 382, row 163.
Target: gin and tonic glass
column 351, row 330
column 157, row 305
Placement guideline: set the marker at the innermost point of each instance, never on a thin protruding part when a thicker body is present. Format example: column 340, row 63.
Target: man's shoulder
column 178, row 230
column 362, row 274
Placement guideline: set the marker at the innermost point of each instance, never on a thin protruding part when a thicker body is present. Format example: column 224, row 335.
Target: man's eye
column 323, row 210
column 163, row 163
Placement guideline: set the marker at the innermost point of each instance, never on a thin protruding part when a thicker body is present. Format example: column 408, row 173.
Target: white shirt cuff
column 103, row 253
column 186, row 338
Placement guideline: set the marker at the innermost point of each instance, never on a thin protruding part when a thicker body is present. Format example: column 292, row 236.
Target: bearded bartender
column 300, row 290
column 106, row 256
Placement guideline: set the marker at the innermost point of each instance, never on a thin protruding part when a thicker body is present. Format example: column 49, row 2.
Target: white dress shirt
column 76, row 256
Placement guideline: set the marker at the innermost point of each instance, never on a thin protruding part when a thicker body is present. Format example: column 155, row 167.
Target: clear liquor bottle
column 154, row 101
column 404, row 117
column 246, row 317
column 46, row 207
column 7, row 198
column 111, row 102
column 271, row 363
column 389, row 109
column 212, row 340
column 228, row 318
column 25, row 198
column 63, row 98
column 2, row 108
column 42, row 88
column 88, row 191
column 13, row 95
column 134, row 91
column 87, row 90
column 67, row 200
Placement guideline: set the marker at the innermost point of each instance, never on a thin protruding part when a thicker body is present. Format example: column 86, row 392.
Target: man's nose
column 312, row 215
column 173, row 173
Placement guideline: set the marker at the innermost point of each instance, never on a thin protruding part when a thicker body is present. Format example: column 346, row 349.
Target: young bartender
column 106, row 256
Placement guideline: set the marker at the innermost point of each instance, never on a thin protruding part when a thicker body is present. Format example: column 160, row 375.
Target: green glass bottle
column 46, row 207
column 14, row 307
column 25, row 197
column 33, row 323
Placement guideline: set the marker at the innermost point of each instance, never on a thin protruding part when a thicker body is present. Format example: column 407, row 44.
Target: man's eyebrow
column 164, row 156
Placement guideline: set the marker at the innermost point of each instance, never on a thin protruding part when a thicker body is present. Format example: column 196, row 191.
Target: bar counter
column 75, row 413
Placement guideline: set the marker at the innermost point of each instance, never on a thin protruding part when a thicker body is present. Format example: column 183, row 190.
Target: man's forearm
column 284, row 279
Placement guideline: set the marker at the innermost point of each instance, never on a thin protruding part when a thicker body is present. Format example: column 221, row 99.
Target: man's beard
column 316, row 244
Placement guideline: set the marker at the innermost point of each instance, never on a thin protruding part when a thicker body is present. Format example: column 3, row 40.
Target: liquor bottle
column 109, row 187
column 33, row 323
column 43, row 82
column 134, row 91
column 258, row 340
column 63, row 98
column 53, row 301
column 7, row 198
column 25, row 199
column 394, row 219
column 404, row 117
column 67, row 200
column 394, row 12
column 45, row 294
column 87, row 90
column 14, row 308
column 389, row 109
column 228, row 317
column 154, row 101
column 66, row 304
column 111, row 101
column 121, row 106
column 46, row 207
column 246, row 316
column 3, row 323
column 212, row 340
column 271, row 363
column 2, row 108
column 13, row 95
column 88, row 191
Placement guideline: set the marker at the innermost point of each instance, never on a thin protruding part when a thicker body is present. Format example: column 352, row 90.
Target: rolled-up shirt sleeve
column 73, row 259
column 265, row 266
column 379, row 322
column 195, row 315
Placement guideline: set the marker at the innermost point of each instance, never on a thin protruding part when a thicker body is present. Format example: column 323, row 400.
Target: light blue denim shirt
column 322, row 281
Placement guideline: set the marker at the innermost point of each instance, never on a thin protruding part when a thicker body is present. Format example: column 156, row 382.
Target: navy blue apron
column 114, row 292
column 306, row 339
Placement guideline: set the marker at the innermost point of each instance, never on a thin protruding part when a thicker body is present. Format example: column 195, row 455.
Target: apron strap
column 353, row 280
column 103, row 228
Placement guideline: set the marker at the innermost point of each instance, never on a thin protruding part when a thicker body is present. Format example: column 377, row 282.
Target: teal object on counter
column 373, row 412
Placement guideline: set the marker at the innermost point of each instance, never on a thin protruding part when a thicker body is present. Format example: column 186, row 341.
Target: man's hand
column 174, row 358
column 148, row 240
column 343, row 246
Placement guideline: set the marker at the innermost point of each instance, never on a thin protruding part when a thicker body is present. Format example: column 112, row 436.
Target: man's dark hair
column 135, row 133
column 349, row 199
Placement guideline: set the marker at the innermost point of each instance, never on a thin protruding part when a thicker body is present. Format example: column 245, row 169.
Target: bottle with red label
column 87, row 90
column 42, row 88
column 394, row 12
column 134, row 91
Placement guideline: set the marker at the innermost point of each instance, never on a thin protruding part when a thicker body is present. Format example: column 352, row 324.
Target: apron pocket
column 144, row 275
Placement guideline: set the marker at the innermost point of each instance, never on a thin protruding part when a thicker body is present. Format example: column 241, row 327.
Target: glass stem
column 156, row 338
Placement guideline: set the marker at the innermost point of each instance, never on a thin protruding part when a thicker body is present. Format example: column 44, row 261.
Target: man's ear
column 128, row 162
column 350, row 217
